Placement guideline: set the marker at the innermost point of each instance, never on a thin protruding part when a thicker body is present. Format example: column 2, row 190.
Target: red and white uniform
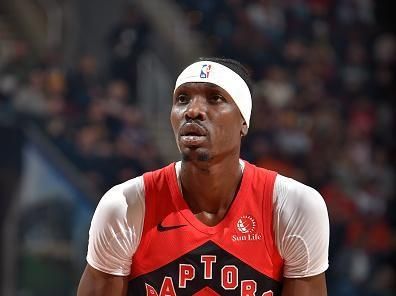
column 276, row 227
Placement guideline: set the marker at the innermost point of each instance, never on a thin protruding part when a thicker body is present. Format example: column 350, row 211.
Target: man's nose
column 196, row 108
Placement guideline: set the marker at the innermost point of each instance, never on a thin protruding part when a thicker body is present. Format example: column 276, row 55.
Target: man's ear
column 244, row 129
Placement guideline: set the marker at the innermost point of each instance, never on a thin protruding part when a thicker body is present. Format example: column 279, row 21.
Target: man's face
column 206, row 122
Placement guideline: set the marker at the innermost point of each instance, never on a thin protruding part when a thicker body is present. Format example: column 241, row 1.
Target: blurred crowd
column 324, row 82
column 91, row 114
column 324, row 74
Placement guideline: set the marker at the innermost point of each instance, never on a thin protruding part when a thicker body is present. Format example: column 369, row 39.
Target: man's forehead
column 201, row 87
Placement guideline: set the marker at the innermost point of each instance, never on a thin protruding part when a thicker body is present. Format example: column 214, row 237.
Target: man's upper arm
column 306, row 286
column 301, row 229
column 114, row 236
column 96, row 283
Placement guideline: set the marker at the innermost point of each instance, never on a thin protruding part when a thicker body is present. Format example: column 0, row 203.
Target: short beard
column 201, row 156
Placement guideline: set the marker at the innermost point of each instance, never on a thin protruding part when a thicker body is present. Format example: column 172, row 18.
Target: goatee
column 200, row 156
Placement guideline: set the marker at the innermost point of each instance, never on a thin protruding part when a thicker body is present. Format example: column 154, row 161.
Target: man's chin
column 196, row 155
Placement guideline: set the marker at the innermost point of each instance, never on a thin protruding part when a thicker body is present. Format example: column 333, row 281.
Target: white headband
column 231, row 82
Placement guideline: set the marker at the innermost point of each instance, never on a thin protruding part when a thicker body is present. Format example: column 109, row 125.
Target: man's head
column 211, row 109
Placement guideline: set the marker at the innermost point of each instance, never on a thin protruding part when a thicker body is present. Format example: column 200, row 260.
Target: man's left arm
column 301, row 227
column 306, row 286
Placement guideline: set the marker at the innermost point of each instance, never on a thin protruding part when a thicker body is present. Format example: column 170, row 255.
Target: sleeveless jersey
column 179, row 255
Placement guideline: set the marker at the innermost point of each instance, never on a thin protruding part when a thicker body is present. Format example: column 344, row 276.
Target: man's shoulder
column 291, row 184
column 253, row 166
column 285, row 185
column 127, row 192
column 260, row 173
column 293, row 191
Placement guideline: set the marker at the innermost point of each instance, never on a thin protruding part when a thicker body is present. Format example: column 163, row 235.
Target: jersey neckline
column 184, row 209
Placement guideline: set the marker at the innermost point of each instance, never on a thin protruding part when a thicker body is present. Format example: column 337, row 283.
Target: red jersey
column 179, row 255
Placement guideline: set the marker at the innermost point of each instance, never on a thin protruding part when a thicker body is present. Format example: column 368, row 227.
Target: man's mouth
column 192, row 134
column 192, row 129
column 192, row 140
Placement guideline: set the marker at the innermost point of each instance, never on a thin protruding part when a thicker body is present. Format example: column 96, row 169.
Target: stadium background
column 85, row 90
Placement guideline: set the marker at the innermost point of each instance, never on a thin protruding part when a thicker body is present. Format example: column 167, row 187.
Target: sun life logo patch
column 246, row 224
column 246, row 230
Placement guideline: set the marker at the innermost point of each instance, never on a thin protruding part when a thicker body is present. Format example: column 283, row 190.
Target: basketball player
column 211, row 224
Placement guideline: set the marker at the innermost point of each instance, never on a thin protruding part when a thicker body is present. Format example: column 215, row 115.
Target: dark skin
column 212, row 108
column 208, row 128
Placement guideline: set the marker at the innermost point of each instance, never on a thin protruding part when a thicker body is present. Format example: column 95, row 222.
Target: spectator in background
column 20, row 60
column 126, row 41
column 56, row 91
column 31, row 99
column 275, row 87
column 83, row 83
column 117, row 98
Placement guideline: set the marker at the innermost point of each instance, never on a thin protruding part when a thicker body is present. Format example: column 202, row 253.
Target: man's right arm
column 114, row 236
column 96, row 283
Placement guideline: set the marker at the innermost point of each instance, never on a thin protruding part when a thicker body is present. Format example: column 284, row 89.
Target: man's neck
column 209, row 188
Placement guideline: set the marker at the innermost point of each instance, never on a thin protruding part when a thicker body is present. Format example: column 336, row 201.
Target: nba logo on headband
column 205, row 70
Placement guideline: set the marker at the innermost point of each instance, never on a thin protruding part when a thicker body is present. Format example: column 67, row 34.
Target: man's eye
column 182, row 98
column 217, row 98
